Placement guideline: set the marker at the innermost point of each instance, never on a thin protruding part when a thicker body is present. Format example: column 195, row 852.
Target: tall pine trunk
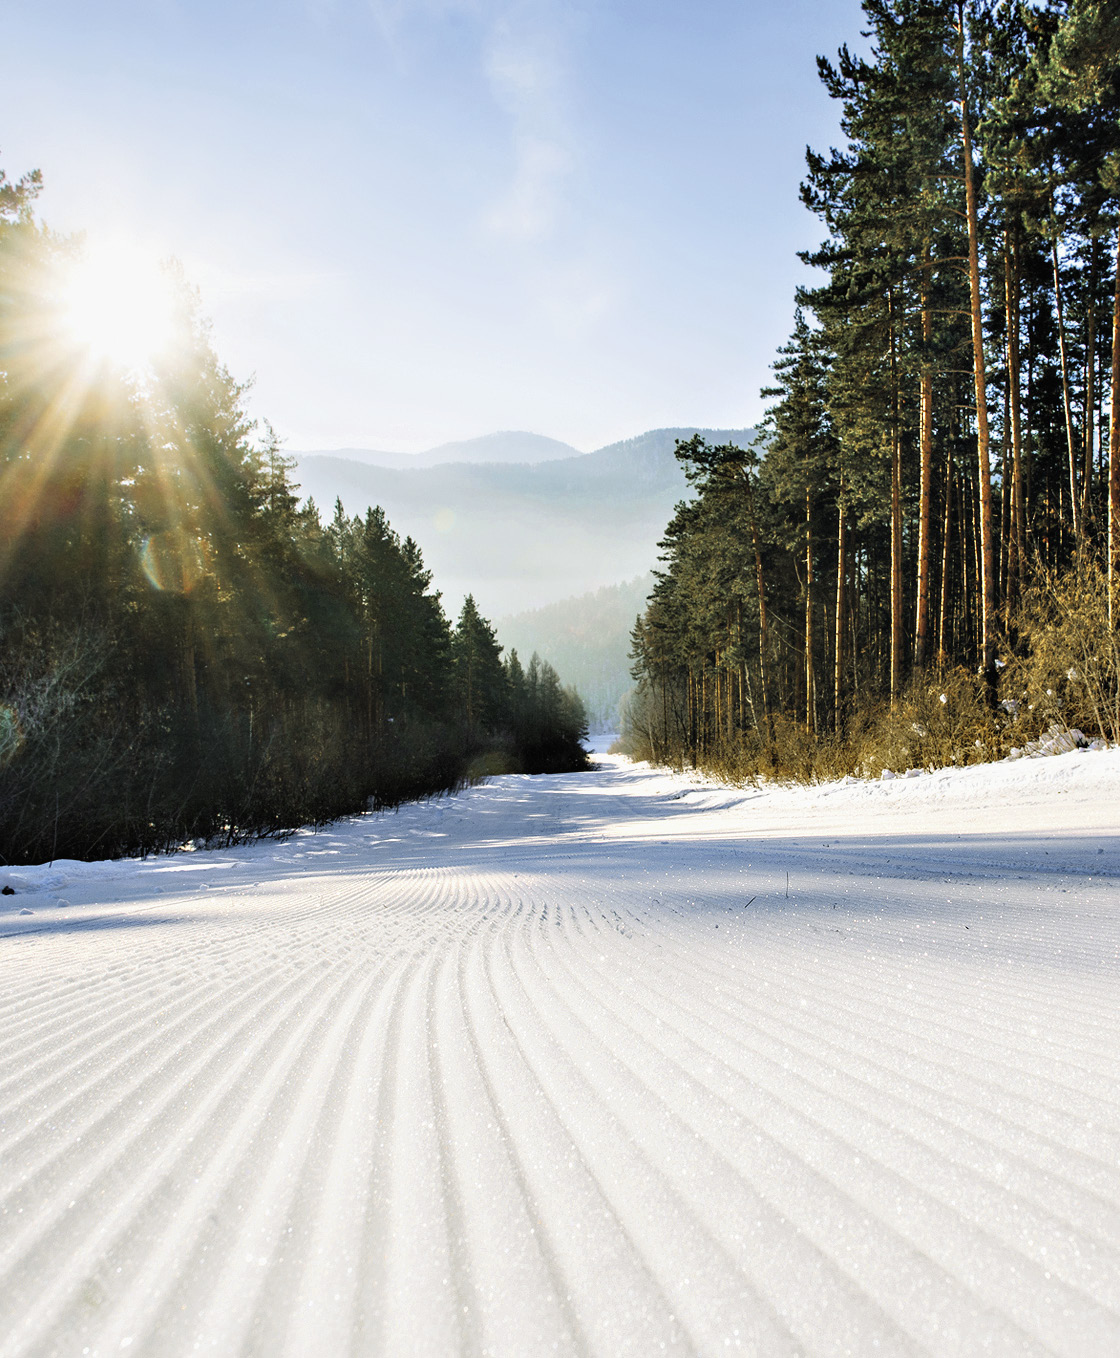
column 763, row 630
column 983, row 463
column 1067, row 404
column 841, row 602
column 1018, row 510
column 1090, row 388
column 1114, row 459
column 896, row 519
column 946, row 561
column 925, row 482
column 810, row 669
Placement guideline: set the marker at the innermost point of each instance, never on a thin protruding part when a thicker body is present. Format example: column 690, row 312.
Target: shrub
column 1070, row 671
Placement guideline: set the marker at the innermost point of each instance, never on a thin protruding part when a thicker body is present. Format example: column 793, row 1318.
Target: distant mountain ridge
column 507, row 446
column 521, row 534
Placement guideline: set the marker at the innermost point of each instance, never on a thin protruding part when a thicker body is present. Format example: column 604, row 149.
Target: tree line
column 187, row 652
column 937, row 482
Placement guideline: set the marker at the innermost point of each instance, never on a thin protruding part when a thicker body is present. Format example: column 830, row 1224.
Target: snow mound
column 1057, row 740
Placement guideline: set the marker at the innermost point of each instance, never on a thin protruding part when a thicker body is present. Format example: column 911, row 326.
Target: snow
column 613, row 1063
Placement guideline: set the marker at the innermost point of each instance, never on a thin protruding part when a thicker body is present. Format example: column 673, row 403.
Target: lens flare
column 173, row 561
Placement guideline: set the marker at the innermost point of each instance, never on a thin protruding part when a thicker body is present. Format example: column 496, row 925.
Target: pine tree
column 479, row 677
column 1082, row 75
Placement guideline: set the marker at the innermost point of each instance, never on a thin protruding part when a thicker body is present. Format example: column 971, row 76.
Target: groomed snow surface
column 613, row 1063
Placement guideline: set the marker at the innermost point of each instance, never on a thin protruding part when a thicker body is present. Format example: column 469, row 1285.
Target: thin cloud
column 528, row 210
column 526, row 69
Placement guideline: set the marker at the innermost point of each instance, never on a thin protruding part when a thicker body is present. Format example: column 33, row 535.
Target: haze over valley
column 556, row 545
column 507, row 520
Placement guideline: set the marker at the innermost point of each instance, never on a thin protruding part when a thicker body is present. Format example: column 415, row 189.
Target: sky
column 413, row 221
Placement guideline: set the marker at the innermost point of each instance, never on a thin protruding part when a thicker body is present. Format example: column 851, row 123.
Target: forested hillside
column 588, row 639
column 918, row 558
column 185, row 651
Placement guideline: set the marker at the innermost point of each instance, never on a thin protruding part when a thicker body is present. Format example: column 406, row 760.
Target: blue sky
column 419, row 220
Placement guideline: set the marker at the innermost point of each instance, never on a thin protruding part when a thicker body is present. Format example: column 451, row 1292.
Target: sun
column 116, row 306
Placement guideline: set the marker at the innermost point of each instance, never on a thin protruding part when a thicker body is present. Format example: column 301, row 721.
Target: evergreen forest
column 187, row 653
column 917, row 561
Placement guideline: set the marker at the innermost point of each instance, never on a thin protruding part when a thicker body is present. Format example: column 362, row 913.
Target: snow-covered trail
column 602, row 1064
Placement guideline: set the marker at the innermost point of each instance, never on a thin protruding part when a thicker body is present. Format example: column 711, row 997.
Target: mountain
column 519, row 535
column 509, row 446
column 587, row 640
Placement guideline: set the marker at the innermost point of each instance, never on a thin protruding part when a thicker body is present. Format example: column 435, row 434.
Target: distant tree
column 480, row 680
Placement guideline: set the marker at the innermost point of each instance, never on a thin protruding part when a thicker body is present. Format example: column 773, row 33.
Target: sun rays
column 97, row 353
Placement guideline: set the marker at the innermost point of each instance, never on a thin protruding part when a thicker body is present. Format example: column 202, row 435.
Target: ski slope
column 612, row 1063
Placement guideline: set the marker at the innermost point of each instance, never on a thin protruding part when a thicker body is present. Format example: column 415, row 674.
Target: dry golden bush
column 1069, row 673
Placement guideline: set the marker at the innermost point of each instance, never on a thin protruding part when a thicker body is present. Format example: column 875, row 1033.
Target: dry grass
column 1063, row 672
